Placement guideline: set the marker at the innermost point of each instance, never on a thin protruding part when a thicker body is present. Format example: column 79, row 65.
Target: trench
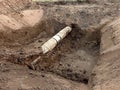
column 73, row 58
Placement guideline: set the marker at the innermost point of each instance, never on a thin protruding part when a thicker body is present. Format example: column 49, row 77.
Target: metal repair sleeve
column 51, row 43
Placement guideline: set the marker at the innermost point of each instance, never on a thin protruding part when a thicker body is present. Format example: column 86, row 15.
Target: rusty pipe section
column 51, row 43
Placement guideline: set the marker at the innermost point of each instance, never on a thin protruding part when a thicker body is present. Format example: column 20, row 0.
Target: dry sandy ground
column 15, row 77
column 106, row 72
column 84, row 59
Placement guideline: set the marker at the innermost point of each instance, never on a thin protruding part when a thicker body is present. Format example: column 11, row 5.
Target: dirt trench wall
column 20, row 28
column 7, row 6
column 106, row 73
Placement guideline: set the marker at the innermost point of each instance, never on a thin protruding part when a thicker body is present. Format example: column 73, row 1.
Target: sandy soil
column 15, row 77
column 72, row 64
column 106, row 72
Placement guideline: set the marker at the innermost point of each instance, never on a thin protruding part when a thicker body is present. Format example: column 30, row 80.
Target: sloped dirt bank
column 105, row 75
column 73, row 58
column 8, row 6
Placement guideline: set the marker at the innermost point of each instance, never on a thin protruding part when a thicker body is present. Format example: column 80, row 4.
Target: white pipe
column 51, row 43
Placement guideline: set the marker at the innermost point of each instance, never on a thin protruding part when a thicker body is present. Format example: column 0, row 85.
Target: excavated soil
column 69, row 66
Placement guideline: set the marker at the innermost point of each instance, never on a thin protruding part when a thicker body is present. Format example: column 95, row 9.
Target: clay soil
column 69, row 66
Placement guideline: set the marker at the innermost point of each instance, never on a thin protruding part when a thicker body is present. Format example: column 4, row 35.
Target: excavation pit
column 73, row 58
column 71, row 62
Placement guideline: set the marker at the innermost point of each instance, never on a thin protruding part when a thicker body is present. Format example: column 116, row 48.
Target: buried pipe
column 51, row 43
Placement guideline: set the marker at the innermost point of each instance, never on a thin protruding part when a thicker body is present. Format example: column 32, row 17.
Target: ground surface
column 72, row 64
column 15, row 77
